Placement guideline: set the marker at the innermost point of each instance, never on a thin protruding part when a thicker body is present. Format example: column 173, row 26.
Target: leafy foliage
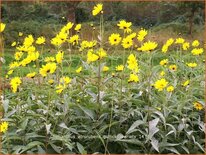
column 101, row 111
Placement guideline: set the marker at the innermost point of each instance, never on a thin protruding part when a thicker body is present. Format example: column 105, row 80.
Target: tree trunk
column 71, row 7
column 71, row 14
column 191, row 18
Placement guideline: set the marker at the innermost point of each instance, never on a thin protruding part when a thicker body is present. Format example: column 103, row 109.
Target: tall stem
column 99, row 61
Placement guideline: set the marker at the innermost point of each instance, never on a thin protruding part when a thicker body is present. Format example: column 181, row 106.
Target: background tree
column 191, row 8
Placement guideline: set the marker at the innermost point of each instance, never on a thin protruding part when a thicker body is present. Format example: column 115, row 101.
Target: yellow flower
column 132, row 63
column 164, row 62
column 14, row 83
column 2, row 27
column 69, row 25
column 127, row 42
column 65, row 80
column 59, row 57
column 87, row 44
column 198, row 106
column 13, row 44
column 28, row 41
column 91, row 57
column 28, row 49
column 25, row 61
column 195, row 43
column 169, row 42
column 78, row 27
column 97, row 9
column 164, row 48
column 123, row 25
column 20, row 34
column 186, row 83
column 119, row 68
column 74, row 40
column 132, row 36
column 48, row 68
column 79, row 70
column 162, row 73
column 101, row 53
column 148, row 46
column 62, row 35
column 173, row 67
column 4, row 127
column 40, row 40
column 10, row 72
column 179, row 41
column 60, row 88
column 170, row 88
column 33, row 56
column 56, row 41
column 141, row 35
column 91, row 44
column 13, row 65
column 105, row 68
column 31, row 75
column 197, row 51
column 18, row 55
column 114, row 39
column 51, row 81
column 49, row 59
column 160, row 84
column 192, row 65
column 185, row 46
column 133, row 78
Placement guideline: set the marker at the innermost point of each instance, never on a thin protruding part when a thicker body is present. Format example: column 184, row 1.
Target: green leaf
column 40, row 150
column 152, row 128
column 173, row 129
column 155, row 144
column 81, row 148
column 31, row 145
column 56, row 148
column 172, row 149
column 198, row 144
column 186, row 149
column 24, row 124
column 5, row 105
column 131, row 141
column 88, row 112
column 134, row 125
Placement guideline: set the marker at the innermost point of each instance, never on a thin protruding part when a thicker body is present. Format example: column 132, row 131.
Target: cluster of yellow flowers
column 64, row 81
column 128, row 41
column 93, row 56
column 27, row 53
column 185, row 45
column 87, row 44
column 62, row 36
column 133, row 66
